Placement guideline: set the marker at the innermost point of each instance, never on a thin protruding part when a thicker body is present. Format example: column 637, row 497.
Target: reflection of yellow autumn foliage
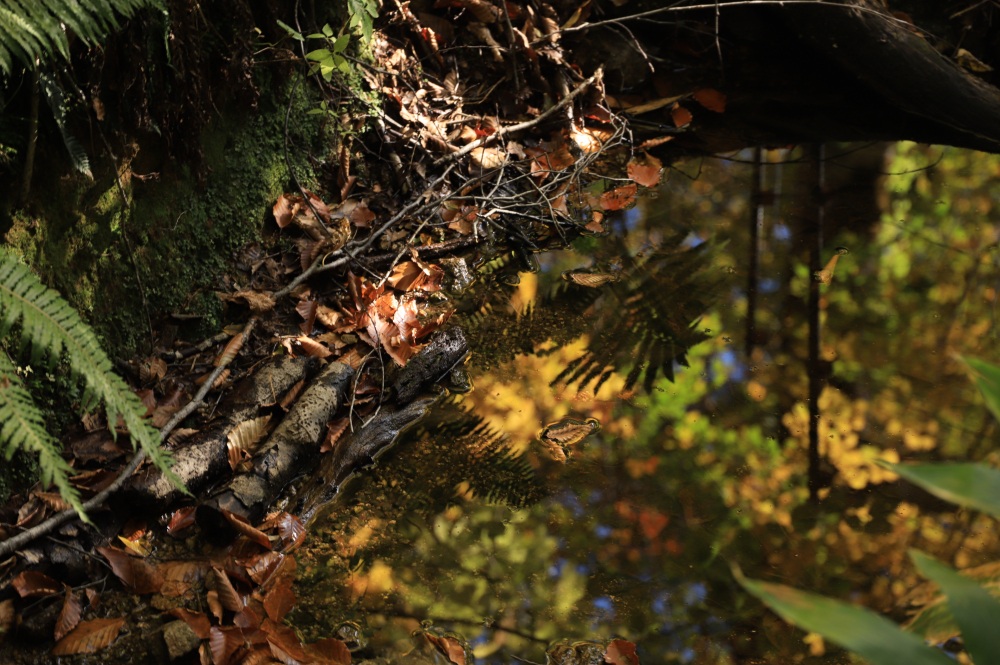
column 519, row 400
column 840, row 428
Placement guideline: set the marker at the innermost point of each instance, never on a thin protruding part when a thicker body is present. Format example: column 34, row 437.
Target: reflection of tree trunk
column 813, row 235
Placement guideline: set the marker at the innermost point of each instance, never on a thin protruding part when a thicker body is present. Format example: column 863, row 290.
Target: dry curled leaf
column 31, row 583
column 449, row 647
column 229, row 353
column 590, row 278
column 89, row 637
column 242, row 440
column 488, row 158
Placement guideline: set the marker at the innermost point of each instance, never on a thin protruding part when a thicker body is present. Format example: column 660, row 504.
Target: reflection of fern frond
column 649, row 319
column 646, row 320
column 39, row 29
column 451, row 447
column 49, row 326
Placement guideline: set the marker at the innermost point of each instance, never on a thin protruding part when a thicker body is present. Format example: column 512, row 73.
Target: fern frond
column 56, row 99
column 22, row 427
column 33, row 30
column 50, row 327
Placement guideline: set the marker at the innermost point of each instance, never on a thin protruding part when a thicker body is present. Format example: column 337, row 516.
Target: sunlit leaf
column 860, row 630
column 89, row 637
column 964, row 483
column 242, row 526
column 183, row 518
column 243, row 440
column 975, row 610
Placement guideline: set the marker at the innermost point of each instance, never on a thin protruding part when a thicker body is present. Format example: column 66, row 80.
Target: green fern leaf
column 33, row 30
column 49, row 326
column 22, row 427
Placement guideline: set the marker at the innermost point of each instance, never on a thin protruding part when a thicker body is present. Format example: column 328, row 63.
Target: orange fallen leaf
column 69, row 615
column 711, row 99
column 89, row 637
column 31, row 583
column 619, row 197
column 681, row 116
column 136, row 574
column 621, row 652
column 645, row 170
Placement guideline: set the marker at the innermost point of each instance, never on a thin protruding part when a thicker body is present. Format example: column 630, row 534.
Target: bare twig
column 521, row 126
column 12, row 544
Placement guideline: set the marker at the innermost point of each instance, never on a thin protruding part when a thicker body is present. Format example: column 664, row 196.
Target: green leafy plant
column 971, row 608
column 40, row 29
column 50, row 329
column 331, row 58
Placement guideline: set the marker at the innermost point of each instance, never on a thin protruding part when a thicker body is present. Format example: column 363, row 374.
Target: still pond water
column 478, row 528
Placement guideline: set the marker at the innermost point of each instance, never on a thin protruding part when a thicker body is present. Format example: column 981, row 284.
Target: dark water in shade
column 475, row 527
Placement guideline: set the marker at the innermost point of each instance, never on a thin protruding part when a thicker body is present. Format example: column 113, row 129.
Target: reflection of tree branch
column 401, row 614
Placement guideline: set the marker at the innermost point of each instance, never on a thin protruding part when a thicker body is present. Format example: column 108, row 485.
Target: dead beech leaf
column 621, row 652
column 69, row 615
column 228, row 595
column 223, row 643
column 283, row 211
column 261, row 567
column 334, row 430
column 152, row 369
column 89, row 637
column 619, row 198
column 488, row 158
column 362, row 216
column 681, row 116
column 242, row 526
column 7, row 615
column 31, row 583
column 197, row 621
column 179, row 577
column 259, row 302
column 291, row 530
column 649, row 144
column 242, row 440
column 136, row 546
column 214, row 604
column 645, row 170
column 589, row 140
column 330, row 651
column 313, row 348
column 711, row 99
column 279, row 600
column 307, row 310
column 590, row 278
column 559, row 437
column 449, row 647
column 167, row 407
column 137, row 575
column 229, row 353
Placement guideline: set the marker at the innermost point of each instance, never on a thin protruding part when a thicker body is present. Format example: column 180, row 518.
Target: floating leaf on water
column 562, row 435
column 590, row 278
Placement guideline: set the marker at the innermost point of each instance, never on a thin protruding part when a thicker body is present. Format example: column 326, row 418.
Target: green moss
column 123, row 266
